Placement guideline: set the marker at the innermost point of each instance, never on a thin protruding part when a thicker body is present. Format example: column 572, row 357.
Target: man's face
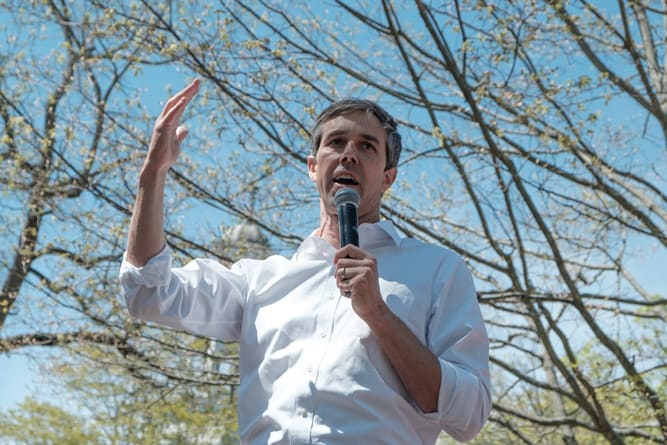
column 352, row 153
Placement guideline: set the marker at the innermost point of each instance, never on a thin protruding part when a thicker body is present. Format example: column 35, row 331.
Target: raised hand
column 146, row 237
column 168, row 134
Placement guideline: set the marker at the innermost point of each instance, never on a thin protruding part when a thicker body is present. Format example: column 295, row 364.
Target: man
column 378, row 344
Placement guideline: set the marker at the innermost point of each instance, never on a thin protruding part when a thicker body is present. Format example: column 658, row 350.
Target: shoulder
column 431, row 251
column 447, row 269
column 271, row 264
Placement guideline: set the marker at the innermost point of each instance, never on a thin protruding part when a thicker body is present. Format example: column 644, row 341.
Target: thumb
column 181, row 133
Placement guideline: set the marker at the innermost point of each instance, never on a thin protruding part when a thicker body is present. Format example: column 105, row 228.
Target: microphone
column 347, row 202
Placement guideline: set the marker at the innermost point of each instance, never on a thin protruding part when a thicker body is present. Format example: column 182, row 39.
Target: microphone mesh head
column 346, row 196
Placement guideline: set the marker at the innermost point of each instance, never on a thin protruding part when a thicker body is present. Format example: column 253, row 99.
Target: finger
column 349, row 251
column 188, row 92
column 345, row 286
column 181, row 133
column 344, row 273
column 347, row 276
column 341, row 273
column 170, row 118
column 180, row 99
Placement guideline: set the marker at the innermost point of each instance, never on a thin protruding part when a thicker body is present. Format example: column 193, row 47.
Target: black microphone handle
column 347, row 224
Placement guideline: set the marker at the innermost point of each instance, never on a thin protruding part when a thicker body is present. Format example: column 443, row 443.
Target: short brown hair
column 349, row 105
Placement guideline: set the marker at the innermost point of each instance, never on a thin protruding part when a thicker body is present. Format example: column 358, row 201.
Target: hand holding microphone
column 347, row 202
column 356, row 270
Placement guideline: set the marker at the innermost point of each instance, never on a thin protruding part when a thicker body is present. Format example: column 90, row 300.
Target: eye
column 336, row 142
column 368, row 146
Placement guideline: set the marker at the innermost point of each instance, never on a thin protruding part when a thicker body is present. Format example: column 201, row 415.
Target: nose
column 349, row 154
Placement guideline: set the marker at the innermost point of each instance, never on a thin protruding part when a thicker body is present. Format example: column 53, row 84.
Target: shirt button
column 309, row 369
column 323, row 334
column 331, row 297
column 304, row 413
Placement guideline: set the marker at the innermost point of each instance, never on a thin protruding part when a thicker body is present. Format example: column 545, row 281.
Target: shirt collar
column 380, row 234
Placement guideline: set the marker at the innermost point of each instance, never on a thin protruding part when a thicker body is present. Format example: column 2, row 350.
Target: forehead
column 359, row 123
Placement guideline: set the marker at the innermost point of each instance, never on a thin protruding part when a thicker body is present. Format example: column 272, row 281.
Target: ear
column 389, row 178
column 312, row 167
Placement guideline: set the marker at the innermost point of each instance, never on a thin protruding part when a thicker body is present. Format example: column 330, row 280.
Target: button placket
column 316, row 349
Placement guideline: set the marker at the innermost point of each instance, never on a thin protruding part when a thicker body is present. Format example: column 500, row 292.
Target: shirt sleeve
column 456, row 334
column 204, row 297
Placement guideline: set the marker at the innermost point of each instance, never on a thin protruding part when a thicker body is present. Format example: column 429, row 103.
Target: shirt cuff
column 155, row 273
column 463, row 402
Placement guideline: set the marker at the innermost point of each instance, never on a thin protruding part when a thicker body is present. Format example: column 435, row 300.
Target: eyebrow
column 366, row 136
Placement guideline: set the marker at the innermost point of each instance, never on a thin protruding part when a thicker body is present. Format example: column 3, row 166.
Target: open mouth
column 346, row 180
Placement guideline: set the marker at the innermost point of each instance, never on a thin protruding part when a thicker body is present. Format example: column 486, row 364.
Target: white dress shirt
column 311, row 370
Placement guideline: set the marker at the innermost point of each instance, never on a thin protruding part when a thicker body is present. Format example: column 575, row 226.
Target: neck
column 329, row 228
